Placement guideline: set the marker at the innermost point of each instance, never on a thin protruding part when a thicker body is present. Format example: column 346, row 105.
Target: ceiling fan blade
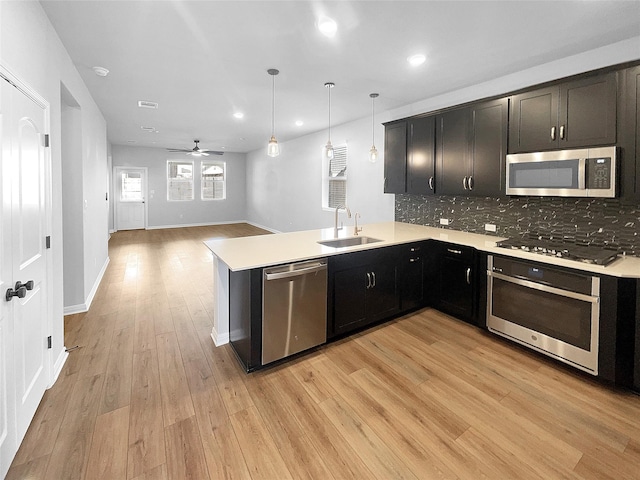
column 213, row 152
column 178, row 150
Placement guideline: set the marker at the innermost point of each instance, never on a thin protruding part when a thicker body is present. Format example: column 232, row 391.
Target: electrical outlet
column 444, row 221
column 489, row 227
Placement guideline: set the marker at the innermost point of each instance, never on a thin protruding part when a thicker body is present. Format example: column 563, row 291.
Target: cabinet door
column 457, row 292
column 533, row 124
column 452, row 150
column 420, row 156
column 349, row 299
column 489, row 147
column 588, row 112
column 382, row 295
column 629, row 133
column 412, row 275
column 395, row 157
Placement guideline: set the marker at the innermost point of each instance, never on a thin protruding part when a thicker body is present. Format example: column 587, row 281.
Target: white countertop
column 259, row 251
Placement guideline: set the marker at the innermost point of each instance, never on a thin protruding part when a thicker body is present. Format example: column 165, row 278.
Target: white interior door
column 131, row 184
column 24, row 315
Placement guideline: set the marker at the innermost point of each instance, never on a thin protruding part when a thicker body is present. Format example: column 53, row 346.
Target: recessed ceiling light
column 327, row 26
column 101, row 71
column 238, row 114
column 299, row 123
column 417, row 59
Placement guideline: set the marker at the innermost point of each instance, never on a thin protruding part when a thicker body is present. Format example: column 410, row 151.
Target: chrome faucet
column 335, row 227
column 355, row 225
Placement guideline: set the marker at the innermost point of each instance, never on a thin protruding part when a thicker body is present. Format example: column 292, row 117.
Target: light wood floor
column 146, row 395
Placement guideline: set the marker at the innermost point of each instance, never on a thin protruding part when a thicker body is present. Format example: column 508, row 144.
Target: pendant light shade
column 273, row 150
column 373, row 151
column 328, row 148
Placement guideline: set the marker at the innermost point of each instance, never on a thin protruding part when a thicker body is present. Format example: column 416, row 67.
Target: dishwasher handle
column 296, row 273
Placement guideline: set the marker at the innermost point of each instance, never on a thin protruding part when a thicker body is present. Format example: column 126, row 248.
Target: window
column 131, row 188
column 334, row 189
column 213, row 180
column 179, row 180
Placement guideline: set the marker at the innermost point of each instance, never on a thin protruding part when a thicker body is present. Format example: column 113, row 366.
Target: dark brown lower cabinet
column 363, row 289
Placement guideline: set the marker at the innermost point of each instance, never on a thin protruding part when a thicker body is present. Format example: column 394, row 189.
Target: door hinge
column 49, row 342
column 45, row 140
column 48, row 241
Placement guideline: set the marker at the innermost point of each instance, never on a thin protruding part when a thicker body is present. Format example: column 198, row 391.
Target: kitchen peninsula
column 241, row 256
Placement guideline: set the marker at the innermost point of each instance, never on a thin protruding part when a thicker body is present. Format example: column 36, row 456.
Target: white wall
column 31, row 50
column 285, row 193
column 162, row 213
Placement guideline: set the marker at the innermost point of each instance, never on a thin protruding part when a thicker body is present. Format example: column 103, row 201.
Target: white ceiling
column 204, row 60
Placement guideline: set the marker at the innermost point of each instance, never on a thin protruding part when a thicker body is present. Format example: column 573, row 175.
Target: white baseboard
column 57, row 366
column 219, row 340
column 272, row 230
column 206, row 224
column 209, row 224
column 84, row 307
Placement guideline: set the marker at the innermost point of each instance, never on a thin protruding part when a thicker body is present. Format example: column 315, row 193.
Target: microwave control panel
column 599, row 173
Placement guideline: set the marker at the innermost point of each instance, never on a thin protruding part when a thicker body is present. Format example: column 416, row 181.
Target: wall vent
column 146, row 104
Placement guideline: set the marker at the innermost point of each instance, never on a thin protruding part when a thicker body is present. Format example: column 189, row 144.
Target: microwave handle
column 582, row 170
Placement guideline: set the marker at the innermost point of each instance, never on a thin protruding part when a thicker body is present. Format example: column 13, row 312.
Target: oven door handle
column 545, row 288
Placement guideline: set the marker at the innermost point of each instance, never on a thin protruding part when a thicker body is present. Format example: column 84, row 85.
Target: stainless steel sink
column 348, row 242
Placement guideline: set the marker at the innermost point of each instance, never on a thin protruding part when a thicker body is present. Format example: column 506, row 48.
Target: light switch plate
column 444, row 221
column 489, row 227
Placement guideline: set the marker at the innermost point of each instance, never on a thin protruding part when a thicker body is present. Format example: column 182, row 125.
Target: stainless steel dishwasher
column 294, row 308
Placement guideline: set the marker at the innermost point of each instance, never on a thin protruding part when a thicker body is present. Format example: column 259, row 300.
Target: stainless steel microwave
column 585, row 172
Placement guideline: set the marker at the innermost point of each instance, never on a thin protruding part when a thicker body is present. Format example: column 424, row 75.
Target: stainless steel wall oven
column 553, row 311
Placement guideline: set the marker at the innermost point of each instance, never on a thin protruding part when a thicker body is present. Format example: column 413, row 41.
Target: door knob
column 20, row 293
column 28, row 285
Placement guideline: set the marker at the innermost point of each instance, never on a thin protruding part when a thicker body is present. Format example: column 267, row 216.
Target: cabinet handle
column 470, row 183
column 464, row 183
column 553, row 133
column 469, row 276
column 457, row 252
column 431, row 183
column 416, row 259
column 368, row 280
column 414, row 249
column 562, row 131
column 373, row 275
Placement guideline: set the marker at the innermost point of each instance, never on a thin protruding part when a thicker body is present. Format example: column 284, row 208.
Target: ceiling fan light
column 273, row 149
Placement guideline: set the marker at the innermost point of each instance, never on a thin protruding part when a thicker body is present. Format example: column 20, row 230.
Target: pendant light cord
column 329, row 88
column 373, row 123
column 273, row 105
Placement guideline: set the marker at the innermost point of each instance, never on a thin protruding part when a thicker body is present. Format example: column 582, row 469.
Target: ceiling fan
column 196, row 151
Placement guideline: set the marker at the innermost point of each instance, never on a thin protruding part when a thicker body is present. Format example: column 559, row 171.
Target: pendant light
column 328, row 148
column 373, row 152
column 273, row 150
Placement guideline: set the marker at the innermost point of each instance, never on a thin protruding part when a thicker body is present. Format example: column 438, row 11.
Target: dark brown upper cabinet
column 629, row 132
column 395, row 157
column 574, row 114
column 409, row 156
column 421, row 156
column 471, row 145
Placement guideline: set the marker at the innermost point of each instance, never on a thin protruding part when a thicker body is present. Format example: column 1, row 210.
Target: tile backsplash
column 609, row 223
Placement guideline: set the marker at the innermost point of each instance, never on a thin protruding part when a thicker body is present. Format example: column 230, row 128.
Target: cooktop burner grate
column 569, row 251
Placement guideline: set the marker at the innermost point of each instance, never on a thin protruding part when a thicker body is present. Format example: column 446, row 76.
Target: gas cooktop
column 569, row 251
